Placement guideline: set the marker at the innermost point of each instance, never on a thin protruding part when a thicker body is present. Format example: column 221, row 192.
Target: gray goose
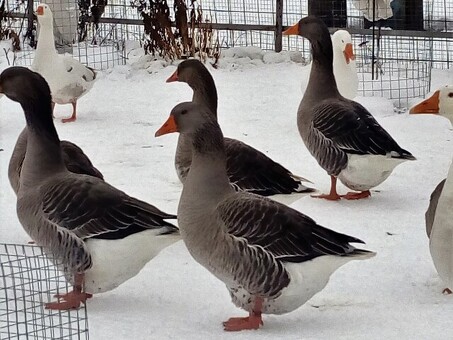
column 341, row 134
column 74, row 159
column 248, row 169
column 101, row 236
column 272, row 258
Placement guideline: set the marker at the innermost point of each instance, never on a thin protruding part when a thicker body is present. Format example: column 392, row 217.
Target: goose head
column 186, row 118
column 24, row 86
column 316, row 31
column 44, row 14
column 189, row 71
column 307, row 27
column 342, row 45
column 441, row 103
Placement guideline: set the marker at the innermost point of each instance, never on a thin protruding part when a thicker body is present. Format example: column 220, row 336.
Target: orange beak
column 173, row 77
column 168, row 127
column 349, row 53
column 293, row 30
column 430, row 105
column 40, row 10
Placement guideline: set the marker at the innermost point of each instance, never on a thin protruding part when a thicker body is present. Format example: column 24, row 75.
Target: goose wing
column 348, row 126
column 90, row 207
column 284, row 232
column 252, row 171
column 77, row 162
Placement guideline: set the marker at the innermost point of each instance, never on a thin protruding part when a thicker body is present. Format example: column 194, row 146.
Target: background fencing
column 401, row 40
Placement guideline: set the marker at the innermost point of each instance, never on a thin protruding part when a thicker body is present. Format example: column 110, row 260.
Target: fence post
column 278, row 25
column 29, row 14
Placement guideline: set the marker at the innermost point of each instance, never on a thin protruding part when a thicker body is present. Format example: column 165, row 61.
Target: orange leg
column 357, row 195
column 74, row 114
column 73, row 299
column 447, row 291
column 333, row 195
column 253, row 321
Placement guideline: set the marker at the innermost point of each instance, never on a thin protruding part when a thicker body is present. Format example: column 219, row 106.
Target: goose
column 440, row 102
column 341, row 134
column 68, row 78
column 344, row 65
column 99, row 235
column 73, row 156
column 248, row 169
column 438, row 217
column 439, row 227
column 272, row 258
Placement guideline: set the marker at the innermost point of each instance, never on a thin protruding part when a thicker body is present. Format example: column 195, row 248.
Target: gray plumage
column 334, row 128
column 431, row 212
column 248, row 169
column 63, row 211
column 74, row 158
column 246, row 240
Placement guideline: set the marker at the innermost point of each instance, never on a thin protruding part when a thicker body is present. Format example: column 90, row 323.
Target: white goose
column 344, row 66
column 68, row 78
column 439, row 216
column 441, row 102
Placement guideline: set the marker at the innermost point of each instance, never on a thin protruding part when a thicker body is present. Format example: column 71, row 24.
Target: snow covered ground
column 396, row 295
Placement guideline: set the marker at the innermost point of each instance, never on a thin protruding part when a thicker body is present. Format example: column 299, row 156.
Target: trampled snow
column 396, row 295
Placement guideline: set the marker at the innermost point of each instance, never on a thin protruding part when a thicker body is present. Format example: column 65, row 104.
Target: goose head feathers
column 314, row 29
column 44, row 15
column 24, row 86
column 441, row 102
column 197, row 76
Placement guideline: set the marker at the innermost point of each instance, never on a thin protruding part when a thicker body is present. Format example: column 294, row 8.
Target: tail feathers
column 403, row 154
column 362, row 254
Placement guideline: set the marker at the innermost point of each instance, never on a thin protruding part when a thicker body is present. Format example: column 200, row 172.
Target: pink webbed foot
column 69, row 120
column 240, row 324
column 253, row 321
column 330, row 196
column 356, row 195
column 71, row 300
column 333, row 195
column 74, row 114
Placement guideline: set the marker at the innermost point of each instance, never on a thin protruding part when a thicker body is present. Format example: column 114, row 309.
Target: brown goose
column 248, row 169
column 74, row 159
column 101, row 235
column 272, row 258
column 341, row 134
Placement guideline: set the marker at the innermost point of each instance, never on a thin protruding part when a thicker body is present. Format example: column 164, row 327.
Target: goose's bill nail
column 173, row 77
column 349, row 53
column 168, row 127
column 430, row 105
column 293, row 30
column 40, row 10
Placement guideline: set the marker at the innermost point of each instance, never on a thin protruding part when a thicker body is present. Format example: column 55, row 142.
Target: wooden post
column 30, row 14
column 278, row 26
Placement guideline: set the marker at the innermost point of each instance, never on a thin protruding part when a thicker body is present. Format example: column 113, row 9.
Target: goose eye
column 450, row 94
column 183, row 112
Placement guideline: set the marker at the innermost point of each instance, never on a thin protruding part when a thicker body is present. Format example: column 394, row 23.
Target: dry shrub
column 6, row 32
column 192, row 35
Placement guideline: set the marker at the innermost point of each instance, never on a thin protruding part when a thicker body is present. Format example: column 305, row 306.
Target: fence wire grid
column 29, row 279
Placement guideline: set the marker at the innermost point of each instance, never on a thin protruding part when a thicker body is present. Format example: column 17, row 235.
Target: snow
column 396, row 295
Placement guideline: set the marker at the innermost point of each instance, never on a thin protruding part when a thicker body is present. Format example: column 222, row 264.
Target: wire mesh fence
column 29, row 279
column 405, row 38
